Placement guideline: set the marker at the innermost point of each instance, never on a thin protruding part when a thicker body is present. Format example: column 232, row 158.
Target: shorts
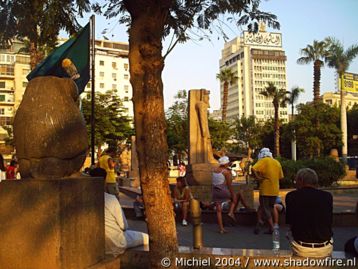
column 267, row 203
column 112, row 188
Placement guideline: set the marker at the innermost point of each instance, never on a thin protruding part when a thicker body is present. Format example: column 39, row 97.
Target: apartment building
column 112, row 72
column 334, row 99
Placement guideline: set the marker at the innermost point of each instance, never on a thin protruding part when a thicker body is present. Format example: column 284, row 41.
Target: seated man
column 309, row 214
column 182, row 196
column 117, row 236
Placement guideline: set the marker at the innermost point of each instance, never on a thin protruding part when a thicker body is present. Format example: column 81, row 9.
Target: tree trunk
column 35, row 55
column 316, row 81
column 146, row 65
column 277, row 132
column 225, row 96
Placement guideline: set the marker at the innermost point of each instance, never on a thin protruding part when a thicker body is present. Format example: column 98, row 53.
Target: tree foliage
column 39, row 22
column 310, row 137
column 279, row 99
column 187, row 19
column 226, row 76
column 315, row 53
column 249, row 131
column 177, row 124
column 293, row 97
column 111, row 124
column 220, row 133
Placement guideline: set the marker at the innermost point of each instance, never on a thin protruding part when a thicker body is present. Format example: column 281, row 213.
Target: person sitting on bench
column 309, row 212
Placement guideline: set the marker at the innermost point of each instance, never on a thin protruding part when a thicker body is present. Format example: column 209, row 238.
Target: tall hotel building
column 255, row 59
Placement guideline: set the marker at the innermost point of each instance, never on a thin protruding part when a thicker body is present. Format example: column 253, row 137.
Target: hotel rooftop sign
column 263, row 39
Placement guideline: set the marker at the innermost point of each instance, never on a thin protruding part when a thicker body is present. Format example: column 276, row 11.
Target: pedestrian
column 106, row 162
column 268, row 172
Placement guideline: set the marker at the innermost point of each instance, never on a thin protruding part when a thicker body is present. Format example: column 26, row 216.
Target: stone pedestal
column 57, row 224
column 199, row 173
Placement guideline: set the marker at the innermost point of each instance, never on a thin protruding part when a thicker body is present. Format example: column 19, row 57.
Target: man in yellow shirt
column 269, row 172
column 107, row 163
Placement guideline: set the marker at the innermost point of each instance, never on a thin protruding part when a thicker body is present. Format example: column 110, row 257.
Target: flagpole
column 93, row 88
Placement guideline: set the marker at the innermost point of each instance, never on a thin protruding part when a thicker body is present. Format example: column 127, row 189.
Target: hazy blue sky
column 195, row 64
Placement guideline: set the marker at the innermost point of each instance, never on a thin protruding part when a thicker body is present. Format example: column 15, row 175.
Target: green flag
column 71, row 59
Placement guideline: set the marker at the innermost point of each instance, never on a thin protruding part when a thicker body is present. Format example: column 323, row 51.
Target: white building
column 256, row 59
column 112, row 72
column 334, row 99
column 14, row 67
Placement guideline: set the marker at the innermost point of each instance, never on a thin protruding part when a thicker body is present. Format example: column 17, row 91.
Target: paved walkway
column 242, row 237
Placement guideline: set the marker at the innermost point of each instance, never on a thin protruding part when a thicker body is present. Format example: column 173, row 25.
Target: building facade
column 112, row 72
column 334, row 99
column 255, row 59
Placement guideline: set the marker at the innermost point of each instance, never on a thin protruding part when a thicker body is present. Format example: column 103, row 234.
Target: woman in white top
column 222, row 190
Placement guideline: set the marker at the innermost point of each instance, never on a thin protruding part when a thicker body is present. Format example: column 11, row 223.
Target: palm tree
column 314, row 53
column 340, row 59
column 279, row 98
column 226, row 76
column 293, row 97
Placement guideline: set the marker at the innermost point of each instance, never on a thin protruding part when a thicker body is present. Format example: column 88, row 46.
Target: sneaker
column 184, row 222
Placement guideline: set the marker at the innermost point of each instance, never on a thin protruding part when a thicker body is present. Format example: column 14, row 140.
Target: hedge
column 327, row 169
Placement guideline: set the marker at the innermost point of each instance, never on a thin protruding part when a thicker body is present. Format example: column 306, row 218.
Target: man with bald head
column 309, row 214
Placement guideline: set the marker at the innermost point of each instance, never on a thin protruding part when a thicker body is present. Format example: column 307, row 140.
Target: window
column 101, row 85
column 24, row 84
column 2, row 111
column 101, row 63
column 88, row 85
column 114, row 86
column 2, row 84
column 126, row 76
column 126, row 67
column 126, row 99
column 114, row 65
column 114, row 76
column 101, row 74
column 2, row 97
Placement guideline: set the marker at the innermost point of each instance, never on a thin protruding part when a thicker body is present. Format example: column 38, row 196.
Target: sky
column 194, row 65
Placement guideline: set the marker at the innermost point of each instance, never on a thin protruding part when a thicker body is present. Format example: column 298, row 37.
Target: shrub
column 327, row 169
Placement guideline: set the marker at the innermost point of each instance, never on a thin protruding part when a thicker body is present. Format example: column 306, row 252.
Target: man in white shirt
column 117, row 236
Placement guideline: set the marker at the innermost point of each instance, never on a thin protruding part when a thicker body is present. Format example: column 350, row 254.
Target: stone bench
column 188, row 257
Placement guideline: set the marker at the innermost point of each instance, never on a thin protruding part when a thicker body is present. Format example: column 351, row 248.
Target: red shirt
column 10, row 172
